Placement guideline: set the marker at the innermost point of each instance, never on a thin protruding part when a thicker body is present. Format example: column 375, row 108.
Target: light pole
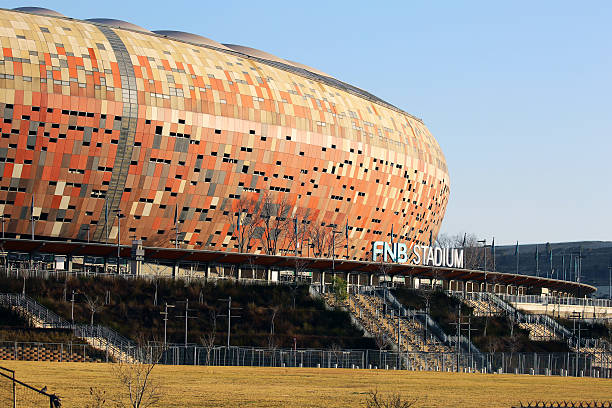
column 610, row 282
column 187, row 317
column 165, row 314
column 484, row 248
column 176, row 227
column 295, row 231
column 72, row 307
column 334, row 232
column 229, row 316
column 119, row 215
column 33, row 222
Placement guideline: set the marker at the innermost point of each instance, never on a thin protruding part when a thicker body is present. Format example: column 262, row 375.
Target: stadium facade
column 104, row 119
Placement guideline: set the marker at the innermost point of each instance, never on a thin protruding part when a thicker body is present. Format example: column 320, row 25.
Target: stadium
column 113, row 133
column 109, row 118
column 147, row 168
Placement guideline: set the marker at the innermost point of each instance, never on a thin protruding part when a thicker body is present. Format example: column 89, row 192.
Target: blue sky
column 518, row 94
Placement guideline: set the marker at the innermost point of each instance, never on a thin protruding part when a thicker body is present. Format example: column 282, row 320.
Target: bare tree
column 245, row 219
column 66, row 287
column 253, row 266
column 94, row 304
column 473, row 252
column 98, row 398
column 300, row 266
column 320, row 238
column 271, row 339
column 381, row 340
column 336, row 351
column 138, row 389
column 515, row 340
column 208, row 340
column 24, row 274
column 374, row 400
column 383, row 268
column 155, row 282
column 275, row 221
column 302, row 220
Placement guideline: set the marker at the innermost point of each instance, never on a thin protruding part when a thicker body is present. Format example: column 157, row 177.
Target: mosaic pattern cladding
column 99, row 120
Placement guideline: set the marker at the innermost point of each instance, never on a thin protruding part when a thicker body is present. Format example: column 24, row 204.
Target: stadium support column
column 137, row 257
column 348, row 281
column 174, row 269
column 239, row 272
column 69, row 260
column 371, row 279
column 322, row 281
column 207, row 273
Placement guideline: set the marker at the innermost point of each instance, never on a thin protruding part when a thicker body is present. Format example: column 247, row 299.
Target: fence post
column 14, row 392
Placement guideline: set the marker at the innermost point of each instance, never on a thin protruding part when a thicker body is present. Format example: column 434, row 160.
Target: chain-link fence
column 597, row 365
column 17, row 394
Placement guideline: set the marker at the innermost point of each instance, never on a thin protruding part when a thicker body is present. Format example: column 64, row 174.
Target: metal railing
column 34, row 310
column 555, row 300
column 565, row 364
column 100, row 337
column 423, row 318
column 20, row 394
column 542, row 319
column 597, row 365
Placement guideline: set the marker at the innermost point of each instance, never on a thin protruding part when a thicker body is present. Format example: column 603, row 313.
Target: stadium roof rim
column 335, row 83
column 99, row 249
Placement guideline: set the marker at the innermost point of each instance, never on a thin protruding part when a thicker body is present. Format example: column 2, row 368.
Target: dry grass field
column 186, row 386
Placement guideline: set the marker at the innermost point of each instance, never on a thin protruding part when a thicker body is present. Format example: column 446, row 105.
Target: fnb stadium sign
column 417, row 254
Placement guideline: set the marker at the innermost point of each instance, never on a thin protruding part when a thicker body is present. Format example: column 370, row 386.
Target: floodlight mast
column 229, row 316
column 165, row 314
column 187, row 317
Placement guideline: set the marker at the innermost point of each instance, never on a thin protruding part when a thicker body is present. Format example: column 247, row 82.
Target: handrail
column 425, row 319
column 544, row 320
column 52, row 320
column 556, row 300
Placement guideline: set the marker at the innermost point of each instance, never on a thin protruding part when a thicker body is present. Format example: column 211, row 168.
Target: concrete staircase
column 99, row 337
column 541, row 327
column 405, row 331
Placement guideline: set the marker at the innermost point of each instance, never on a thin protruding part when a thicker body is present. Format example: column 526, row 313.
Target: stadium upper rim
column 238, row 50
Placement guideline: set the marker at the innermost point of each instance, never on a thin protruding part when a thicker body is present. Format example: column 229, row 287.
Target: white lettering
column 377, row 249
column 430, row 256
column 448, row 257
column 458, row 258
column 402, row 256
column 390, row 250
column 417, row 255
column 438, row 256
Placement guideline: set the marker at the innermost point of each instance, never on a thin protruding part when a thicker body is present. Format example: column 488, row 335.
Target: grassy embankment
column 128, row 307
